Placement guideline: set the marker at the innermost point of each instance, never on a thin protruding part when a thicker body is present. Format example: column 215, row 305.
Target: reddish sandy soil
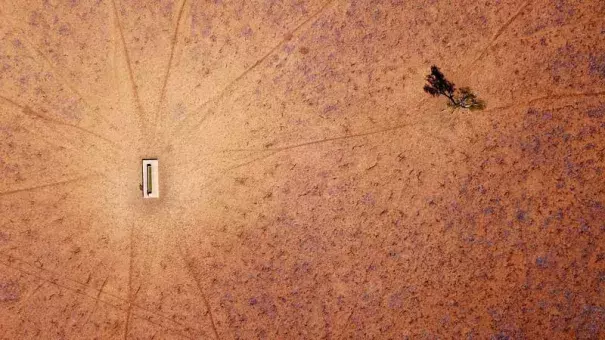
column 309, row 187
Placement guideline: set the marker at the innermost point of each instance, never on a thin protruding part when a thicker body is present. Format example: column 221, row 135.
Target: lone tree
column 461, row 98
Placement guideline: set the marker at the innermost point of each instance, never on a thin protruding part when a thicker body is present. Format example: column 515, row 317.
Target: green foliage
column 468, row 100
column 464, row 97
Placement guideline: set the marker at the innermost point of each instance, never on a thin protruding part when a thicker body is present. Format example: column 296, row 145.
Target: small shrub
column 464, row 97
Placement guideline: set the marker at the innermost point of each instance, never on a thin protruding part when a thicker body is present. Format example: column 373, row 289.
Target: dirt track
column 309, row 187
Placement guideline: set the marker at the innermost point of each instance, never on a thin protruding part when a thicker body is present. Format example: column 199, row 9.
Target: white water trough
column 151, row 181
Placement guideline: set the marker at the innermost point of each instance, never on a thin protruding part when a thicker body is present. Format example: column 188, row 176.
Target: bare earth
column 309, row 187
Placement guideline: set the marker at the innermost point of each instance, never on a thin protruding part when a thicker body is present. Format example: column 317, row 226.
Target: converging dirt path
column 309, row 187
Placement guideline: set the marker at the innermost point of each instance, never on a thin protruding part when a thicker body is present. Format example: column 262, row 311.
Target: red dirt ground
column 309, row 187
